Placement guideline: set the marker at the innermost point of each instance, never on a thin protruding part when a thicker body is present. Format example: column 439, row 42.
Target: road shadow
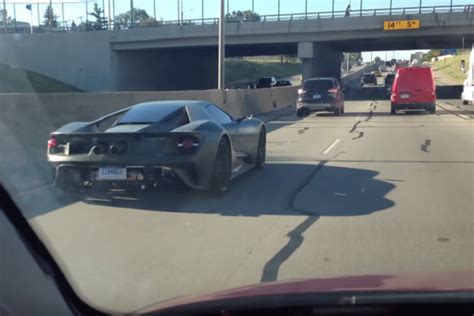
column 273, row 191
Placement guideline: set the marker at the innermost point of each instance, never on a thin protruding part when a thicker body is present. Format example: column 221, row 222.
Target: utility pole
column 132, row 14
column 110, row 19
column 4, row 16
column 221, row 57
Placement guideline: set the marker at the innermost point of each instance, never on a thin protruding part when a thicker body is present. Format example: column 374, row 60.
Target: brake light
column 301, row 91
column 334, row 90
column 52, row 143
column 188, row 143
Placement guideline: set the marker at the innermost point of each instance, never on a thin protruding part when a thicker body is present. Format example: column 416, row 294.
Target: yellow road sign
column 401, row 25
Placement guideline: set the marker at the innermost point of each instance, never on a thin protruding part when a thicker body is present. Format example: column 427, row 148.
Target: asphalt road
column 365, row 193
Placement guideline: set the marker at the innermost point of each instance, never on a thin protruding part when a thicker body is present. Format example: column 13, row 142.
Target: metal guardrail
column 468, row 9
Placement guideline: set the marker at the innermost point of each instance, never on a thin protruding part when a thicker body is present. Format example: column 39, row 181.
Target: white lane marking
column 334, row 144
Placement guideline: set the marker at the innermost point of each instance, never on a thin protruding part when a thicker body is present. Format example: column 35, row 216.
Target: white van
column 468, row 90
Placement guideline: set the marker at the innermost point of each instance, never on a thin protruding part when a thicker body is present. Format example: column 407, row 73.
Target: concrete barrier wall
column 26, row 121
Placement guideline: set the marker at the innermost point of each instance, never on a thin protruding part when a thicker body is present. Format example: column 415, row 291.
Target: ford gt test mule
column 152, row 144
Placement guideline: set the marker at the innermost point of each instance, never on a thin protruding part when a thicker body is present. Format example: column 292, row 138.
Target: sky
column 75, row 10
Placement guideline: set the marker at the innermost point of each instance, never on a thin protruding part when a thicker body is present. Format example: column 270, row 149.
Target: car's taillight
column 333, row 91
column 301, row 91
column 52, row 143
column 188, row 143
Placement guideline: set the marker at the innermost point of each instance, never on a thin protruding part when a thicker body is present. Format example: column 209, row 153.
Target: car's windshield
column 329, row 142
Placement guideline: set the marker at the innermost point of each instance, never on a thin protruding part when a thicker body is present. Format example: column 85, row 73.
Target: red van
column 414, row 88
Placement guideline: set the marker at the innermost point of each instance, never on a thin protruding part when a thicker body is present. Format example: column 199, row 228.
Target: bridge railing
column 468, row 9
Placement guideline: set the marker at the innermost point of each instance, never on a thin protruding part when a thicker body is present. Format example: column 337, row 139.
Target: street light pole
column 4, row 16
column 278, row 10
column 221, row 66
column 132, row 14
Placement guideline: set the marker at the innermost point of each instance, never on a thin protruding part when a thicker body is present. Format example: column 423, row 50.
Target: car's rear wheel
column 432, row 110
column 393, row 109
column 303, row 112
column 337, row 112
column 222, row 168
column 465, row 102
column 261, row 150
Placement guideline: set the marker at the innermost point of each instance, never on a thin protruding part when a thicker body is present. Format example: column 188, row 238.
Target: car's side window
column 219, row 115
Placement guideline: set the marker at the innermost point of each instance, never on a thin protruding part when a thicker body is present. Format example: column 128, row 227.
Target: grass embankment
column 15, row 80
column 450, row 69
column 239, row 70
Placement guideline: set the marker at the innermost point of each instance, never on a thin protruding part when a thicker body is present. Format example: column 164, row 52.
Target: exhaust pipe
column 118, row 149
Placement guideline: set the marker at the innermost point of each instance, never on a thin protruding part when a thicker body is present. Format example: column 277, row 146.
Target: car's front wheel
column 261, row 150
column 222, row 168
column 465, row 102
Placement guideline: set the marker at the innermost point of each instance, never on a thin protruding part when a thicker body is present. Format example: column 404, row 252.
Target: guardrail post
column 451, row 6
column 360, row 8
column 390, row 12
column 420, row 6
column 333, row 8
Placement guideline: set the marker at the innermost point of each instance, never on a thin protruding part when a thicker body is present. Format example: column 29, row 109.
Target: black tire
column 303, row 112
column 465, row 102
column 222, row 169
column 393, row 109
column 432, row 109
column 261, row 150
column 337, row 112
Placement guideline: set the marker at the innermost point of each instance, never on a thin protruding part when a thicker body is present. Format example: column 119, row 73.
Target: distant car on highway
column 156, row 143
column 265, row 82
column 383, row 69
column 282, row 83
column 320, row 94
column 414, row 88
column 368, row 78
column 388, row 83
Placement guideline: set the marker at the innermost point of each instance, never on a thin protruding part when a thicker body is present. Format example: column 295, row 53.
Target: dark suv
column 265, row 82
column 320, row 94
column 368, row 78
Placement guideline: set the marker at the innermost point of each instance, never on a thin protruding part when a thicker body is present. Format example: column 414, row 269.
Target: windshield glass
column 156, row 159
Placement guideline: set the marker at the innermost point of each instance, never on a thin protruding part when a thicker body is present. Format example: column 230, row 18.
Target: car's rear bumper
column 414, row 106
column 326, row 106
column 71, row 176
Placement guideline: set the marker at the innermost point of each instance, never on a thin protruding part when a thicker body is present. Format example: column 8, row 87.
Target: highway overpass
column 184, row 57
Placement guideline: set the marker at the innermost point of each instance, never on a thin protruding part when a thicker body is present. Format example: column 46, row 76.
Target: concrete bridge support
column 319, row 60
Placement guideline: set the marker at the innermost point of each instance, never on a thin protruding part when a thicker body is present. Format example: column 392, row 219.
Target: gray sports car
column 154, row 143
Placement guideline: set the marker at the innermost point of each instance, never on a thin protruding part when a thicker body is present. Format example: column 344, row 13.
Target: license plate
column 112, row 173
column 404, row 96
column 316, row 96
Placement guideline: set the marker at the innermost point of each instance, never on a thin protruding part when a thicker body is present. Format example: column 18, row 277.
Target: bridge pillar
column 319, row 60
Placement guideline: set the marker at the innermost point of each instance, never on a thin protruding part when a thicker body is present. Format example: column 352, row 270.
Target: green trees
column 242, row 16
column 50, row 18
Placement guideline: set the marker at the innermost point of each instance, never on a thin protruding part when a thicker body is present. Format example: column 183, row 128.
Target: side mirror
column 247, row 116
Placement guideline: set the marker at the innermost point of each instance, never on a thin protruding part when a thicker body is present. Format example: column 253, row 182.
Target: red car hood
column 428, row 282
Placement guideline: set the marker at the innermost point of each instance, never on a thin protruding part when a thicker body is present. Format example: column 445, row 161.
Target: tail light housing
column 332, row 91
column 188, row 144
column 301, row 91
column 52, row 143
